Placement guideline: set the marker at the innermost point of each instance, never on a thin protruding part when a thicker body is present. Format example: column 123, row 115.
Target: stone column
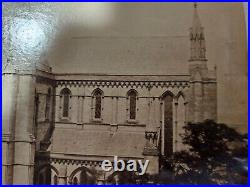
column 24, row 140
column 154, row 120
column 198, row 101
column 122, row 114
column 181, row 117
column 116, row 109
column 9, row 91
column 88, row 110
column 79, row 103
column 57, row 107
column 113, row 110
column 185, row 112
column 162, row 128
column 175, row 126
column 82, row 109
column 150, row 115
column 114, row 122
column 73, row 106
column 62, row 177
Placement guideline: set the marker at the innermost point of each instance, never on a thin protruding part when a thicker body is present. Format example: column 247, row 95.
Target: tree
column 210, row 157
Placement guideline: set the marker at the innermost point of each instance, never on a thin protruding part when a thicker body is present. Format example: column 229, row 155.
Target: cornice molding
column 122, row 84
column 94, row 163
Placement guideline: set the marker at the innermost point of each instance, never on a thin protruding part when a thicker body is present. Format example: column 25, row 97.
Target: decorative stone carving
column 87, row 163
column 151, row 147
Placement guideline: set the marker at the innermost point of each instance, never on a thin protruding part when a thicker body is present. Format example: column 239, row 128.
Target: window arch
column 97, row 103
column 168, row 110
column 65, row 95
column 180, row 94
column 132, row 95
column 83, row 175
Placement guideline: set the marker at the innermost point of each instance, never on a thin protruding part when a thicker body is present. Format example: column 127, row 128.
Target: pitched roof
column 101, row 143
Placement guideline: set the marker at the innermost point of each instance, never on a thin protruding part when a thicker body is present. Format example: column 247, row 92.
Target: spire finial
column 196, row 20
column 197, row 38
column 195, row 5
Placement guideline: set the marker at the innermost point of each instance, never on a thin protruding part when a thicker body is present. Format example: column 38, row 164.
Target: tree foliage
column 211, row 155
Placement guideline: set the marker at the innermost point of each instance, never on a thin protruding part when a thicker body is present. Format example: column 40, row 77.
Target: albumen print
column 124, row 93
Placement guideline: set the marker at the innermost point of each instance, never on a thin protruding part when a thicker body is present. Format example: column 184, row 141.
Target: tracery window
column 65, row 96
column 132, row 94
column 97, row 94
column 168, row 122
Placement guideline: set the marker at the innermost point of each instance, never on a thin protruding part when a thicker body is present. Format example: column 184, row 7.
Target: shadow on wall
column 125, row 36
column 126, row 42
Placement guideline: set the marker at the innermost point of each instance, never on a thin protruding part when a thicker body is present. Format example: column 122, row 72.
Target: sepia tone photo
column 124, row 93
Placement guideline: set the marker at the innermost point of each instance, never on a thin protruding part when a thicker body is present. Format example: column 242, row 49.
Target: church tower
column 197, row 61
column 202, row 81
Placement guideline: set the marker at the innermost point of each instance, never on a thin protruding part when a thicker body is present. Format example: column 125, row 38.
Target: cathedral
column 59, row 127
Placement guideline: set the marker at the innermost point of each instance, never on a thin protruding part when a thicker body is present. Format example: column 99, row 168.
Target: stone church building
column 59, row 127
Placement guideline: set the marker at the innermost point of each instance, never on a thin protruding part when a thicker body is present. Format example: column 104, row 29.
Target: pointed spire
column 198, row 48
column 196, row 20
column 195, row 5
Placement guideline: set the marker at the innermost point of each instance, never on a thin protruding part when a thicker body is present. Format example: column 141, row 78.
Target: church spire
column 197, row 38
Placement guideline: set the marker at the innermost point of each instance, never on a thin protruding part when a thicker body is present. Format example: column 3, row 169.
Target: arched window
column 97, row 94
column 65, row 95
column 47, row 107
column 168, row 122
column 132, row 94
